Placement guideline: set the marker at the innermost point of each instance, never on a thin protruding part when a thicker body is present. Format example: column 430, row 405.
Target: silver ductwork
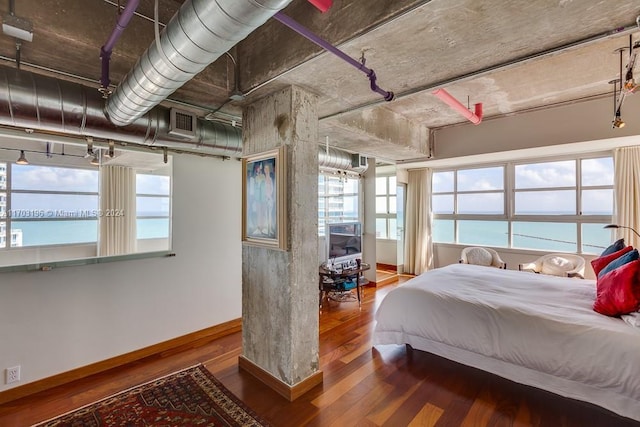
column 32, row 101
column 331, row 158
column 197, row 35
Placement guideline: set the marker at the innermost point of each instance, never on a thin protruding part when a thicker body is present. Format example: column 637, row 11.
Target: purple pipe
column 105, row 51
column 306, row 33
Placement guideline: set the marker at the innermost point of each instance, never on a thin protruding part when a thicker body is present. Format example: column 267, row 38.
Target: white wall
column 52, row 322
column 575, row 123
column 387, row 252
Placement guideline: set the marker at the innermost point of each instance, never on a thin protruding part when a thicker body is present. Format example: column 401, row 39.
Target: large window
column 558, row 205
column 338, row 199
column 386, row 205
column 51, row 205
column 50, row 208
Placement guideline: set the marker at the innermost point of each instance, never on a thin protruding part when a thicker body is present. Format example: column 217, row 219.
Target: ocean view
column 36, row 233
column 553, row 237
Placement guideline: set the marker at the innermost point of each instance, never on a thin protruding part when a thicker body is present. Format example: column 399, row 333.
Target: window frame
column 60, row 254
column 509, row 216
column 168, row 217
column 92, row 214
column 325, row 195
column 387, row 216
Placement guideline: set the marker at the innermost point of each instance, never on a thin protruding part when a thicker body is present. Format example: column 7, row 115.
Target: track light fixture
column 630, row 84
column 617, row 121
column 625, row 84
column 22, row 160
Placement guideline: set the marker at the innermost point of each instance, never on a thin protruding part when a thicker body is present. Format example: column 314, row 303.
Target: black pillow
column 614, row 247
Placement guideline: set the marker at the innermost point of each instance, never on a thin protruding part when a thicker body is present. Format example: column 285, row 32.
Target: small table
column 334, row 281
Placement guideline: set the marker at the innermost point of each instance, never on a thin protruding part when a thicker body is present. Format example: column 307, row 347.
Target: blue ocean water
column 37, row 233
column 553, row 237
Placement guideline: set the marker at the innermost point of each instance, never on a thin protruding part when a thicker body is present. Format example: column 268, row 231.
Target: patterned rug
column 192, row 397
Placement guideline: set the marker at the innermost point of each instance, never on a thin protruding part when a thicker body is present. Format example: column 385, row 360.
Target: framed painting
column 264, row 199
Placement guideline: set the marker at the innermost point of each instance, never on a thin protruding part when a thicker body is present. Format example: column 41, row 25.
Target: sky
column 548, row 175
column 57, row 179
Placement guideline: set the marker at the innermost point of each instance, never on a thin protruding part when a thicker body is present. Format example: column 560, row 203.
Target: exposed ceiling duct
column 41, row 103
column 331, row 158
column 197, row 35
column 32, row 101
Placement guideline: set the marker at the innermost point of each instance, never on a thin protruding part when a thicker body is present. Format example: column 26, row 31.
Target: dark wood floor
column 363, row 386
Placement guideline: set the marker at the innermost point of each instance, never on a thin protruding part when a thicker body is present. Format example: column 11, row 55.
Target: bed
column 530, row 328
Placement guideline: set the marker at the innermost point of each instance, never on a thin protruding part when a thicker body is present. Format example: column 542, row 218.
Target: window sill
column 47, row 266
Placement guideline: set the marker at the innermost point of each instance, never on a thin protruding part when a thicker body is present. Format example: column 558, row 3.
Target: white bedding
column 531, row 328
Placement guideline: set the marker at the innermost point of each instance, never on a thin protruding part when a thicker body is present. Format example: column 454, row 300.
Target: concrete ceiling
column 509, row 55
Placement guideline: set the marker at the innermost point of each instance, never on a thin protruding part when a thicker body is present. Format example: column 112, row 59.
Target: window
column 52, row 205
column 386, row 205
column 558, row 205
column 153, row 205
column 338, row 199
column 50, row 209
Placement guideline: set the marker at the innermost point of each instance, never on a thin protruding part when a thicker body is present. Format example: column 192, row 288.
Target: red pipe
column 456, row 105
column 323, row 5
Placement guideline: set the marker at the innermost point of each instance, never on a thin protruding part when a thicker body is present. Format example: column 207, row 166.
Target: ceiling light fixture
column 22, row 160
column 627, row 84
column 617, row 121
column 618, row 96
column 16, row 27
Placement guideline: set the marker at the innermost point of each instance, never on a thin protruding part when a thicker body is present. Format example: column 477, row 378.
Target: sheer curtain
column 117, row 211
column 626, row 189
column 418, row 247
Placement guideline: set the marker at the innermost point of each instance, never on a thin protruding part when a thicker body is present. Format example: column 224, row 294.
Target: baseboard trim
column 386, row 267
column 287, row 391
column 201, row 337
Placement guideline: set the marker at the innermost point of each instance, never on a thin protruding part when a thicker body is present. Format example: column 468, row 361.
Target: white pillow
column 556, row 266
column 479, row 256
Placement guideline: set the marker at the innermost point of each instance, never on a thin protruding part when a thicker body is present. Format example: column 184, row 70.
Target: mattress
column 530, row 328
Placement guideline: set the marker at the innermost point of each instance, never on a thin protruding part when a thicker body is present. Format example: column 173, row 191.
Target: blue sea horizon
column 52, row 232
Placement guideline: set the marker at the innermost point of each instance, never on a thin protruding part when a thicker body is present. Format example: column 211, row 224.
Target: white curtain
column 626, row 190
column 117, row 211
column 418, row 247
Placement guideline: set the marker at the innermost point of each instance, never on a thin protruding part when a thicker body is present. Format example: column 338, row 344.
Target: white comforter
column 531, row 328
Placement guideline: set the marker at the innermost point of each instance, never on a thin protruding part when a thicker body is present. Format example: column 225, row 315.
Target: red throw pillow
column 601, row 262
column 618, row 291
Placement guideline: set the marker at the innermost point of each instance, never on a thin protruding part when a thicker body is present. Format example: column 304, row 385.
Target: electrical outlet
column 13, row 375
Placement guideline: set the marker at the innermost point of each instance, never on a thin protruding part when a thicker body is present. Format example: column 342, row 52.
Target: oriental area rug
column 192, row 397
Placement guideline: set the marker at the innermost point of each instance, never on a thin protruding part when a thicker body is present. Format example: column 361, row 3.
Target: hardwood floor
column 363, row 386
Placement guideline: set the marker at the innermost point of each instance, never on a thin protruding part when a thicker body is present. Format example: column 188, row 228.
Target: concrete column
column 280, row 298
